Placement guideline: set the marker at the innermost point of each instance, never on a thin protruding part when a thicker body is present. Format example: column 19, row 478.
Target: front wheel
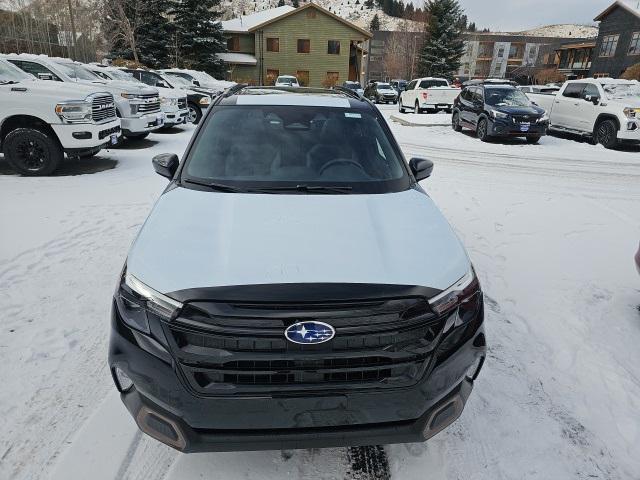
column 607, row 134
column 195, row 114
column 400, row 107
column 32, row 152
column 483, row 130
column 533, row 139
column 416, row 108
column 455, row 122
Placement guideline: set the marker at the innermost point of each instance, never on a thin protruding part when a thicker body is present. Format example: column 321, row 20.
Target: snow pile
column 563, row 31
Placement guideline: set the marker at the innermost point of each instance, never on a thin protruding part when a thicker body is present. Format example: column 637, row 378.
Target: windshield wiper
column 307, row 189
column 220, row 187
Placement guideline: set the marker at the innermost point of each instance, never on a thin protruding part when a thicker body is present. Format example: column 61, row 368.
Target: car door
column 477, row 105
column 466, row 104
column 408, row 96
column 566, row 107
column 588, row 109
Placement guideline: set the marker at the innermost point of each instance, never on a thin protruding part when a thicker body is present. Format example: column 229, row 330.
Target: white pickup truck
column 603, row 109
column 138, row 107
column 428, row 95
column 41, row 121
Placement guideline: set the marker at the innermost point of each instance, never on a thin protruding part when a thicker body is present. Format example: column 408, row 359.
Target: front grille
column 151, row 103
column 225, row 348
column 105, row 133
column 182, row 103
column 103, row 108
column 523, row 119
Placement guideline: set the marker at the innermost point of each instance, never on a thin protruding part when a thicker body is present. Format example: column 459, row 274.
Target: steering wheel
column 339, row 161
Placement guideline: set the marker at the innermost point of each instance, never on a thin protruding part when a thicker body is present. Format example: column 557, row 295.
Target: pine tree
column 153, row 36
column 199, row 36
column 443, row 45
column 368, row 4
column 375, row 23
column 472, row 27
column 295, row 3
column 281, row 3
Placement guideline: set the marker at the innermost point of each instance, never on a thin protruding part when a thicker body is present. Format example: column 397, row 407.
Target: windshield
column 123, row 76
column 353, row 86
column 257, row 147
column 288, row 80
column 77, row 72
column 506, row 97
column 622, row 90
column 11, row 73
column 175, row 81
column 384, row 86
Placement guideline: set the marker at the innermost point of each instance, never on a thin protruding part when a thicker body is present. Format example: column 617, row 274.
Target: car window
column 383, row 86
column 505, row 97
column 412, row 85
column 150, row 78
column 77, row 72
column 11, row 73
column 466, row 94
column 478, row 95
column 591, row 90
column 573, row 90
column 34, row 68
column 263, row 146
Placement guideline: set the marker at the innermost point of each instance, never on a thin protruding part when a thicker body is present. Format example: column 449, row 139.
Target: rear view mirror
column 166, row 164
column 421, row 168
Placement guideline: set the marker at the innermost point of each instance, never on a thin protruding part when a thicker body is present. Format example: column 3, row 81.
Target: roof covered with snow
column 237, row 58
column 244, row 23
column 632, row 6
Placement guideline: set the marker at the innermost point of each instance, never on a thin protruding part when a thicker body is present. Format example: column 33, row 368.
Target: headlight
column 168, row 101
column 206, row 100
column 74, row 111
column 544, row 118
column 632, row 112
column 135, row 299
column 464, row 290
column 128, row 96
column 497, row 114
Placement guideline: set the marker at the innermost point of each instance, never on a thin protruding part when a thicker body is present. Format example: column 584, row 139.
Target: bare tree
column 122, row 16
column 401, row 51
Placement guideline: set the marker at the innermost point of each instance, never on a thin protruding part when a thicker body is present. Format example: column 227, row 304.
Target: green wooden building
column 309, row 42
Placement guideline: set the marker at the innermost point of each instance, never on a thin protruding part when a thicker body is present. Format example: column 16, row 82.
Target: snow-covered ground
column 551, row 229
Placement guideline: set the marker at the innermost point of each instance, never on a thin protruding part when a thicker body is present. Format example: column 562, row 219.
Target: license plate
column 114, row 138
column 524, row 127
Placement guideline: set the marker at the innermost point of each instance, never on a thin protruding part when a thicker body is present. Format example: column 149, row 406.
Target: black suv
column 381, row 92
column 267, row 302
column 494, row 109
column 197, row 102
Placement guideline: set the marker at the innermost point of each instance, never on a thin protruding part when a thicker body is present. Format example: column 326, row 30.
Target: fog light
column 632, row 126
column 124, row 382
column 81, row 135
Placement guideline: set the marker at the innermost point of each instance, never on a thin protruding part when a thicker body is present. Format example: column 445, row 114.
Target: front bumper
column 165, row 409
column 176, row 117
column 145, row 123
column 508, row 128
column 86, row 136
column 630, row 131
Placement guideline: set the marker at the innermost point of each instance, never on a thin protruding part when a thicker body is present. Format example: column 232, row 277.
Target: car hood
column 197, row 239
column 118, row 86
column 171, row 92
column 532, row 110
column 63, row 90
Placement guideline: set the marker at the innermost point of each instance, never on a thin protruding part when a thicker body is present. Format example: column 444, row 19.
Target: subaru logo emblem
column 309, row 332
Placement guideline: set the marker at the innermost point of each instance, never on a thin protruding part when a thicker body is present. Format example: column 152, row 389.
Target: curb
column 407, row 123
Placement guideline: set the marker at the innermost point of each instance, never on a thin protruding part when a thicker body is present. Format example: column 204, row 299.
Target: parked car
column 428, row 95
column 196, row 102
column 40, row 122
column 239, row 340
column 173, row 103
column 498, row 110
column 199, row 79
column 605, row 110
column 381, row 92
column 287, row 81
column 355, row 86
column 544, row 89
column 398, row 85
column 138, row 107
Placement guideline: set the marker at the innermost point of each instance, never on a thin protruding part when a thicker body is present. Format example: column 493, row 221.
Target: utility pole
column 73, row 30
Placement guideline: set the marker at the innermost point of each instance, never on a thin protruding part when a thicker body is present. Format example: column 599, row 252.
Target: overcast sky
column 514, row 15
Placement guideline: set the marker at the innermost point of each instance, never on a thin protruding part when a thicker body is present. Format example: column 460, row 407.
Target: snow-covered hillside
column 351, row 10
column 564, row 30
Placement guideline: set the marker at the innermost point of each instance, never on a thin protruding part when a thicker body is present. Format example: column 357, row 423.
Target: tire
column 395, row 102
column 195, row 114
column 455, row 122
column 32, row 152
column 400, row 107
column 606, row 133
column 416, row 108
column 137, row 136
column 482, row 130
column 533, row 139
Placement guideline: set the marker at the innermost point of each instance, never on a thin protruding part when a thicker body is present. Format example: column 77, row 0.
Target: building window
column 634, row 48
column 303, row 77
column 601, row 75
column 233, row 43
column 311, row 13
column 333, row 47
column 272, row 76
column 332, row 79
column 609, row 45
column 304, row 45
column 273, row 44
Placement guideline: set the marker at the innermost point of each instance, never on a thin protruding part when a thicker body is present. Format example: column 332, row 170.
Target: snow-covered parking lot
column 551, row 228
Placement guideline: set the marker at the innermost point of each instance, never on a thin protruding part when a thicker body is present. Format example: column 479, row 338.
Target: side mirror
column 196, row 83
column 535, row 104
column 166, row 164
column 161, row 84
column 421, row 168
column 593, row 99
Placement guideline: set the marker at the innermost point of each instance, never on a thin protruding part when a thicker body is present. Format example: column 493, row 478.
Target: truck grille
column 103, row 108
column 224, row 348
column 182, row 103
column 151, row 103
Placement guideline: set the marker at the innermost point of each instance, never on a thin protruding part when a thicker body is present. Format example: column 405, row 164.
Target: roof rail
column 233, row 89
column 490, row 81
column 347, row 91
